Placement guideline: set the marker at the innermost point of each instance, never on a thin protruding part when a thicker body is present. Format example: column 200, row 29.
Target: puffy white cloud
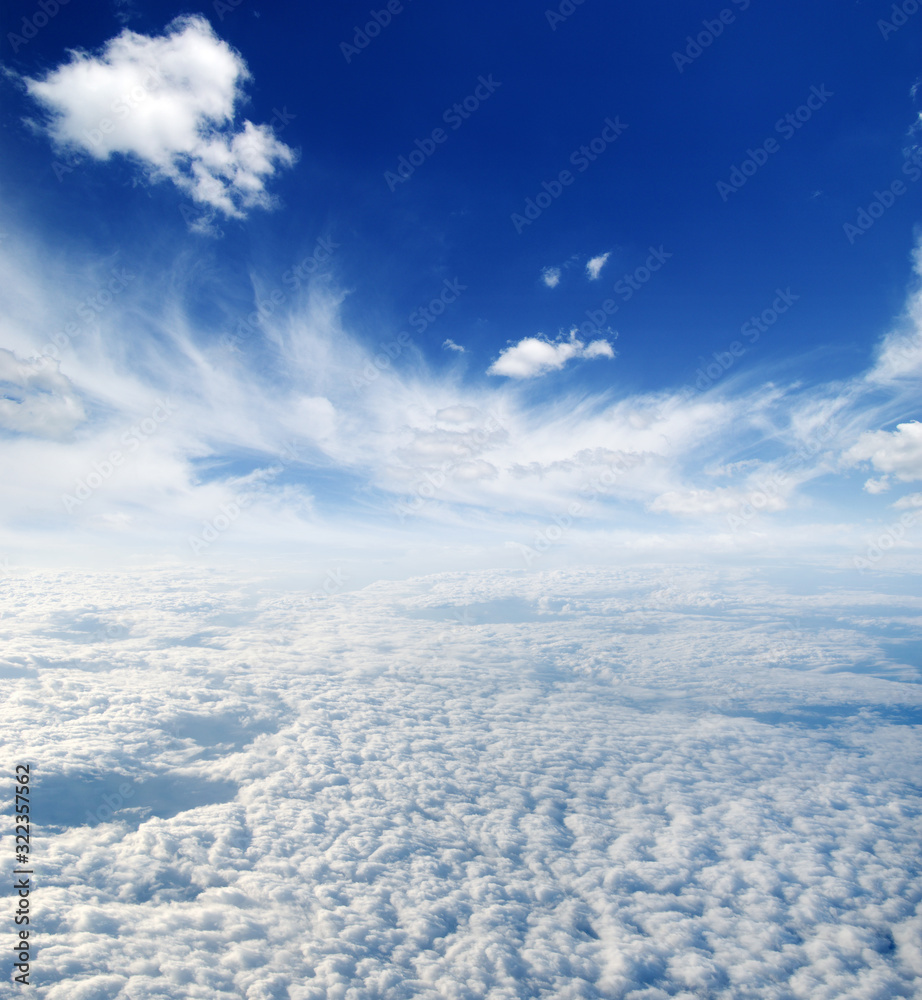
column 167, row 102
column 595, row 265
column 897, row 452
column 532, row 356
column 449, row 345
column 879, row 485
column 634, row 782
column 551, row 276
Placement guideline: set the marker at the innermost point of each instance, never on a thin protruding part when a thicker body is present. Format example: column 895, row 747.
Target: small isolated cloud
column 877, row 485
column 533, row 356
column 551, row 276
column 168, row 103
column 594, row 267
column 898, row 452
column 909, row 502
column 450, row 345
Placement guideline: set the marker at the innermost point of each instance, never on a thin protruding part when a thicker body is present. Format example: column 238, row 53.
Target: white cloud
column 167, row 102
column 551, row 276
column 450, row 345
column 594, row 266
column 880, row 485
column 37, row 399
column 765, row 497
column 642, row 782
column 458, row 415
column 899, row 356
column 908, row 502
column 898, row 452
column 531, row 356
column 303, row 391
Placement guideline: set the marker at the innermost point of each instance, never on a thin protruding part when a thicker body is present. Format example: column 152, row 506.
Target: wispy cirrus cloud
column 460, row 449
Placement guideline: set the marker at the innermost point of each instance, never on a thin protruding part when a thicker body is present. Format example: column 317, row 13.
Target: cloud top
column 168, row 103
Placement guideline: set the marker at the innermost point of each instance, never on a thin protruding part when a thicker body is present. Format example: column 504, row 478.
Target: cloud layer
column 168, row 103
column 636, row 783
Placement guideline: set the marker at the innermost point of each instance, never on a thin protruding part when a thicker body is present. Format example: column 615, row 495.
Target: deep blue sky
column 656, row 185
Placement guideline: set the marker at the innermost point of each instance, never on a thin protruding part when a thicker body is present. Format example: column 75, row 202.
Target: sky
column 462, row 474
column 423, row 284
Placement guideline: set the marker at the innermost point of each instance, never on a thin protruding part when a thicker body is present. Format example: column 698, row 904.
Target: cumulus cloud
column 897, row 452
column 551, row 276
column 532, row 356
column 449, row 345
column 594, row 266
column 638, row 782
column 879, row 485
column 168, row 103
